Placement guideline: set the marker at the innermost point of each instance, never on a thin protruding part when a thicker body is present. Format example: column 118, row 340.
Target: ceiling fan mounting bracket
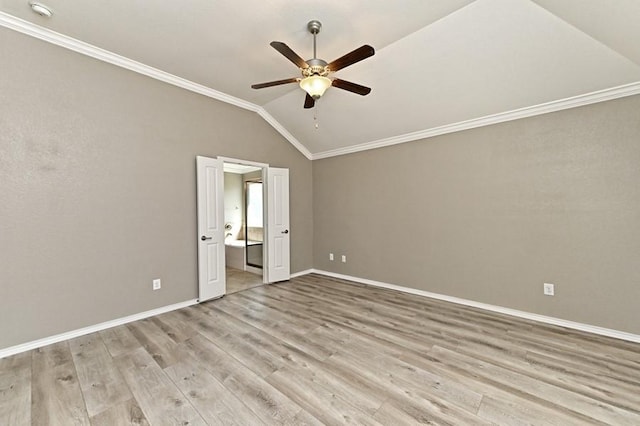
column 314, row 26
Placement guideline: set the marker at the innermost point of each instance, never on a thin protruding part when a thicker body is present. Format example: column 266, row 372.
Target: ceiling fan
column 315, row 71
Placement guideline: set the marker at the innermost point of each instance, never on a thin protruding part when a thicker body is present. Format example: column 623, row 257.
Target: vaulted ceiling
column 440, row 65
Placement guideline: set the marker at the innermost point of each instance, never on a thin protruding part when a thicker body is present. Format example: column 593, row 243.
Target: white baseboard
column 12, row 350
column 493, row 308
column 301, row 273
column 253, row 270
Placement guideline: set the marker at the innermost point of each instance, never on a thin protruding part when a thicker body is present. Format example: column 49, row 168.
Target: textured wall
column 97, row 187
column 491, row 214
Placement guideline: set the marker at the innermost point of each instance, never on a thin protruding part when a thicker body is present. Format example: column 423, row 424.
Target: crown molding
column 53, row 37
column 284, row 132
column 545, row 108
column 95, row 52
column 45, row 34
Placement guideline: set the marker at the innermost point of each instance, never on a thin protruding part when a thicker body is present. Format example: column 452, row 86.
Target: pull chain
column 315, row 116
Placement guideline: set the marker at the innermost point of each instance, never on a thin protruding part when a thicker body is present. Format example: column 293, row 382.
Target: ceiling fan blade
column 309, row 102
column 351, row 87
column 362, row 52
column 274, row 83
column 289, row 54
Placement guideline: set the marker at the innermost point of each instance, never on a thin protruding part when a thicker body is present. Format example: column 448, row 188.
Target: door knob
column 286, row 231
column 203, row 238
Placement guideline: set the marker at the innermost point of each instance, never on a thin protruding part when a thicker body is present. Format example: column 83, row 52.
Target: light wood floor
column 322, row 351
column 238, row 280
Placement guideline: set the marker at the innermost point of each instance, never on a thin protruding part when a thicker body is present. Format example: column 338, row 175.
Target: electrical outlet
column 344, row 258
column 331, row 256
column 157, row 284
column 548, row 289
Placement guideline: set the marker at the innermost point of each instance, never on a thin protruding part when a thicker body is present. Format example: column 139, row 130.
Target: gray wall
column 97, row 187
column 97, row 197
column 491, row 214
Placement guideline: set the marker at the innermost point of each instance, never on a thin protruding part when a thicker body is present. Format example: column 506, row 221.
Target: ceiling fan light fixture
column 314, row 71
column 315, row 85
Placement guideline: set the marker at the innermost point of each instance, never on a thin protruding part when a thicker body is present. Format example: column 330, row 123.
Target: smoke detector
column 41, row 9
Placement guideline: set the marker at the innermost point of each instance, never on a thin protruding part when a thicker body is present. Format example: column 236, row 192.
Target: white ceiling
column 438, row 63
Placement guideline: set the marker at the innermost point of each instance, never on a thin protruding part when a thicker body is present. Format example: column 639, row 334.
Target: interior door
column 211, row 261
column 278, row 235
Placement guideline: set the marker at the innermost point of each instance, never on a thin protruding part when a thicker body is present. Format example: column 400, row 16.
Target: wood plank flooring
column 318, row 350
column 238, row 280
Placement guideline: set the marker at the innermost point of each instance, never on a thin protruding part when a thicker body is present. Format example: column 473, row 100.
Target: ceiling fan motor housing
column 316, row 67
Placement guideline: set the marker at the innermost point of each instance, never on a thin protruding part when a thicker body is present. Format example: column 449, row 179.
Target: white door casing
column 278, row 231
column 211, row 258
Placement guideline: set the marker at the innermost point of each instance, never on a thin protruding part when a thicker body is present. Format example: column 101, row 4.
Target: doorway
column 222, row 224
column 244, row 226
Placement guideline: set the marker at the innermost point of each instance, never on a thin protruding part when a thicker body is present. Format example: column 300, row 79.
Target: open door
column 278, row 235
column 211, row 262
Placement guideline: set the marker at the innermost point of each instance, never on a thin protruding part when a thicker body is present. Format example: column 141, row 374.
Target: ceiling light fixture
column 315, row 80
column 315, row 85
column 41, row 9
column 316, row 72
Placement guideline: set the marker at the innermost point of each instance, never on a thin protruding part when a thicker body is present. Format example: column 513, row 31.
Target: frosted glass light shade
column 315, row 85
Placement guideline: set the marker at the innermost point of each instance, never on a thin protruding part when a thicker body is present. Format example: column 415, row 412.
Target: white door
column 211, row 270
column 278, row 235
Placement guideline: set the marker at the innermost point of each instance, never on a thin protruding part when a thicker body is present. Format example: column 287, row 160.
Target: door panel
column 278, row 231
column 211, row 262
